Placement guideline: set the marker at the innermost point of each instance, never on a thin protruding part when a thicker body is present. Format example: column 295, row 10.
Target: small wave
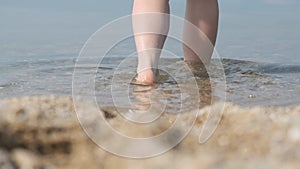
column 280, row 69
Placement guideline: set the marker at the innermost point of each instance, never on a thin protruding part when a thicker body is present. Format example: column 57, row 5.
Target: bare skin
column 147, row 44
column 201, row 13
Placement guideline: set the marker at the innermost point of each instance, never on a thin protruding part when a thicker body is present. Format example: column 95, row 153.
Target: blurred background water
column 258, row 41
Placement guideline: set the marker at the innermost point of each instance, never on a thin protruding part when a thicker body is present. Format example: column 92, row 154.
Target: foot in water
column 147, row 77
column 197, row 68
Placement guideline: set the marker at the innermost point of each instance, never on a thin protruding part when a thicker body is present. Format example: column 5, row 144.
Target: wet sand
column 43, row 132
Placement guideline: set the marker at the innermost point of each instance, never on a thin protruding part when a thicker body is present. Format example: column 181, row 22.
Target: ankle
column 148, row 76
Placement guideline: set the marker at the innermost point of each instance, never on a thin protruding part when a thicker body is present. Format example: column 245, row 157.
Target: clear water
column 248, row 83
column 40, row 41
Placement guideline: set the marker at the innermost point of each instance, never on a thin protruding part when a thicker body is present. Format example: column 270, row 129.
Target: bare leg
column 204, row 15
column 149, row 46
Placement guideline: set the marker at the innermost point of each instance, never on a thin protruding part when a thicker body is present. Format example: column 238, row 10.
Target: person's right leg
column 149, row 46
column 204, row 15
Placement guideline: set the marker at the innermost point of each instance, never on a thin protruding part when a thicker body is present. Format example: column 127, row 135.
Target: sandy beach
column 43, row 132
column 71, row 98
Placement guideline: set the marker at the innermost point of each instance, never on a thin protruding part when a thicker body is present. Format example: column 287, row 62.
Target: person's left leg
column 204, row 15
column 149, row 46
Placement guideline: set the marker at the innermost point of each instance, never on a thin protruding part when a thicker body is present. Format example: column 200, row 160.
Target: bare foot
column 147, row 77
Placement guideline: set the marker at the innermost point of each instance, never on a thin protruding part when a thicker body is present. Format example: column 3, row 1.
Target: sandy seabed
column 44, row 132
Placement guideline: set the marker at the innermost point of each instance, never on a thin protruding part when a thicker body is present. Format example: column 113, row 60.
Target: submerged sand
column 44, row 132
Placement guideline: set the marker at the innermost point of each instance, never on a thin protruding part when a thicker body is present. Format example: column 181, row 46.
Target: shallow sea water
column 247, row 83
column 244, row 138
